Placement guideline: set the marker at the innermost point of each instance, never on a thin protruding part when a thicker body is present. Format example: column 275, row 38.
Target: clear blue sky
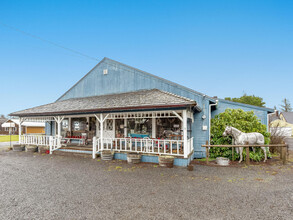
column 221, row 48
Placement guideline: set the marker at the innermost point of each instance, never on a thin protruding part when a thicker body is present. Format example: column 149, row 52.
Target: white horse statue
column 241, row 138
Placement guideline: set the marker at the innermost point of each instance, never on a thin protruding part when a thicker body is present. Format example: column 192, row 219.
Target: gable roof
column 143, row 99
column 105, row 59
column 288, row 116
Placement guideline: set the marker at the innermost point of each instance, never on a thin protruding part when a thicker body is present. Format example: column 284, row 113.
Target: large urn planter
column 18, row 147
column 31, row 148
column 166, row 161
column 133, row 158
column 43, row 149
column 107, row 155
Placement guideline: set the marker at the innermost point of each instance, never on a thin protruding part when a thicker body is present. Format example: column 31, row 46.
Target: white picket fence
column 140, row 145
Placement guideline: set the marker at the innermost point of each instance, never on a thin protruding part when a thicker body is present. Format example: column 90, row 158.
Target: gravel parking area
column 35, row 186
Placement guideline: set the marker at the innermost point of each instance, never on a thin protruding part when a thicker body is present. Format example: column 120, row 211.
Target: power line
column 48, row 41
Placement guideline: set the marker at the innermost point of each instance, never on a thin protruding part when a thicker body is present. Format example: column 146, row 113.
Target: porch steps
column 74, row 150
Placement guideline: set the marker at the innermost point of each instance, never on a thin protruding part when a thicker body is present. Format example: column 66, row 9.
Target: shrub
column 238, row 118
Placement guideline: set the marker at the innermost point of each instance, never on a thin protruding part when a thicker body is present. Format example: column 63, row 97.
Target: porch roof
column 143, row 99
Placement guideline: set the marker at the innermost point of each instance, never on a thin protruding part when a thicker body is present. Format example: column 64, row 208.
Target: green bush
column 245, row 122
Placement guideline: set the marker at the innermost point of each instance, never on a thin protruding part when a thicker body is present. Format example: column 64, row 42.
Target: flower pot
column 222, row 161
column 107, row 155
column 30, row 148
column 18, row 147
column 43, row 149
column 166, row 161
column 190, row 167
column 133, row 158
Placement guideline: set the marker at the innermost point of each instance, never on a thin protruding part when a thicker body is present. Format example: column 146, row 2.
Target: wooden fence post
column 232, row 153
column 207, row 153
column 247, row 154
column 284, row 155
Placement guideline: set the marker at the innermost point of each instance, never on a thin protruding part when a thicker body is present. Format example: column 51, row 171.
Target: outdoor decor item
column 43, row 149
column 241, row 138
column 30, row 148
column 18, row 147
column 223, row 161
column 133, row 158
column 107, row 155
column 166, row 161
column 190, row 167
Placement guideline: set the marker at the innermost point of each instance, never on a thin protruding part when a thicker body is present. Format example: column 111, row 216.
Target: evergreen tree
column 286, row 106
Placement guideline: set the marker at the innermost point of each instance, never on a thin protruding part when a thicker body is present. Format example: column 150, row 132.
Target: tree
column 238, row 118
column 248, row 99
column 286, row 107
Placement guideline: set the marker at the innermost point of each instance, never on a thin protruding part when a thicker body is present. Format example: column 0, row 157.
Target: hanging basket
column 133, row 158
column 18, row 147
column 223, row 161
column 107, row 155
column 166, row 161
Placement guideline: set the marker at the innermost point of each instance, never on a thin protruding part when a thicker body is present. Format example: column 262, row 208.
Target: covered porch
column 152, row 132
column 151, row 123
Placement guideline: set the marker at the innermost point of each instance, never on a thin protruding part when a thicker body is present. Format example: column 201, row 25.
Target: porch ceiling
column 143, row 99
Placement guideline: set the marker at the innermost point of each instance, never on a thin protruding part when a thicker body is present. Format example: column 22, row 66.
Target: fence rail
column 283, row 151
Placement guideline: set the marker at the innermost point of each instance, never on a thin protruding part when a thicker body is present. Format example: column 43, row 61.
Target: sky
column 221, row 48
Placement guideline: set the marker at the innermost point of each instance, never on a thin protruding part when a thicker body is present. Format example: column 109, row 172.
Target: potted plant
column 166, row 161
column 31, row 148
column 107, row 155
column 18, row 147
column 133, row 158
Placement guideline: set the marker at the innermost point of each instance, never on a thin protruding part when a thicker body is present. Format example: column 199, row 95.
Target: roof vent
column 105, row 71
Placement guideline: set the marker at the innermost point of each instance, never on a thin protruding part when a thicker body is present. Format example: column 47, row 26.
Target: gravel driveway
column 37, row 186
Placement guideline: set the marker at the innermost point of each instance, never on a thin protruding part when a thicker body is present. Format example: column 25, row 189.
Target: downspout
column 210, row 118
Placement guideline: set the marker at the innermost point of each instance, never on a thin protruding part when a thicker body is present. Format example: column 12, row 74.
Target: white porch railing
column 41, row 140
column 148, row 146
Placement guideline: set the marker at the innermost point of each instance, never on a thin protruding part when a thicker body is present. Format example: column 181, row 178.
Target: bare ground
column 35, row 186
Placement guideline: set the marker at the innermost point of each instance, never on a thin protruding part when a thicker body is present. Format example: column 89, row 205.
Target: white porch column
column 185, row 133
column 19, row 130
column 102, row 131
column 59, row 120
column 125, row 127
column 69, row 125
column 154, row 128
column 97, row 126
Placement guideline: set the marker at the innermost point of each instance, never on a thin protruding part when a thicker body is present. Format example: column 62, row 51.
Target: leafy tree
column 238, row 118
column 248, row 99
column 286, row 107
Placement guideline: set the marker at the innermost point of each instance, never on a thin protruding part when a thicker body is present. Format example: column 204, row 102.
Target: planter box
column 107, row 155
column 30, row 148
column 133, row 158
column 18, row 147
column 43, row 149
column 222, row 161
column 166, row 161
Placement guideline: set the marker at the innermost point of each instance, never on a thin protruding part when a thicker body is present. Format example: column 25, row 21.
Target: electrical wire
column 48, row 41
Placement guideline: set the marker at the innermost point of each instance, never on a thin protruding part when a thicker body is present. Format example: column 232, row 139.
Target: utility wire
column 48, row 41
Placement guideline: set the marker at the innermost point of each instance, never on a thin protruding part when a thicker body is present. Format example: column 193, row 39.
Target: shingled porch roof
column 138, row 100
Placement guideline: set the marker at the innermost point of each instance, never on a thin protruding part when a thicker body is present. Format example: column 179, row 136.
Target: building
column 119, row 107
column 2, row 120
column 27, row 127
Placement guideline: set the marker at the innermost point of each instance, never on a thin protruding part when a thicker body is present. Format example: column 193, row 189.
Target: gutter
column 210, row 118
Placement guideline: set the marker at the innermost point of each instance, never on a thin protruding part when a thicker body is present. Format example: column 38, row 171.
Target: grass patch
column 6, row 138
column 204, row 159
